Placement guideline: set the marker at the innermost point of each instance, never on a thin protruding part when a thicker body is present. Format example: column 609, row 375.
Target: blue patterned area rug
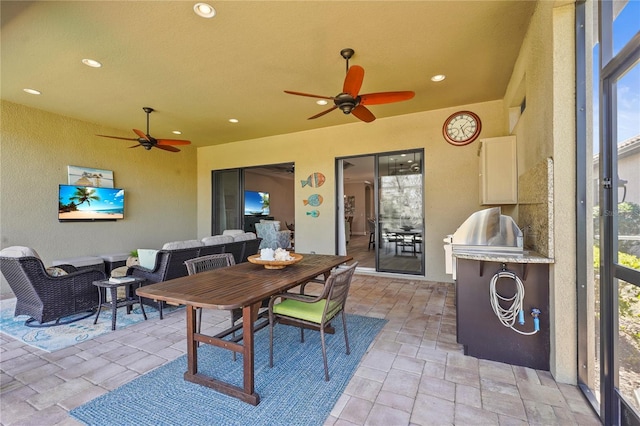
column 293, row 392
column 51, row 339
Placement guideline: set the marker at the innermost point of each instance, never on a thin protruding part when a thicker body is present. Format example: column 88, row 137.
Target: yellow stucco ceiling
column 197, row 73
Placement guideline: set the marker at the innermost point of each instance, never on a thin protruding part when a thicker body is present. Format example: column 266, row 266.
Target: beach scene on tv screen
column 256, row 203
column 83, row 202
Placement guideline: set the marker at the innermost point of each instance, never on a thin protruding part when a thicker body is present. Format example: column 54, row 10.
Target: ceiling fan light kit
column 349, row 101
column 147, row 141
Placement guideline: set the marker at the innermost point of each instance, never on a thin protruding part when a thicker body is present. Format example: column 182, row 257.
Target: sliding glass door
column 609, row 287
column 227, row 201
column 229, row 198
column 400, row 220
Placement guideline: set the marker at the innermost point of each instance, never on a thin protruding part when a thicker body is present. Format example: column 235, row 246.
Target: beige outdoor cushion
column 217, row 239
column 175, row 245
column 244, row 236
column 18, row 251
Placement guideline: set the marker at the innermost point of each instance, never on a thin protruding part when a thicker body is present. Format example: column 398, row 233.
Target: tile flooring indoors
column 413, row 374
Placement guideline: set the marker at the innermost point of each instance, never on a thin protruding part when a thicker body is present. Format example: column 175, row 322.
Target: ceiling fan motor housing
column 346, row 102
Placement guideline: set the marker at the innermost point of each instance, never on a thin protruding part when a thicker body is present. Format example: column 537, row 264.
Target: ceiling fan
column 349, row 101
column 147, row 141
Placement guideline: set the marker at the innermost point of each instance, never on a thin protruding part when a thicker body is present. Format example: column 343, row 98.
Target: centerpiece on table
column 275, row 259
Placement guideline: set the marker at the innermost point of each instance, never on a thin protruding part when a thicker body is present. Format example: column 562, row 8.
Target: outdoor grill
column 484, row 232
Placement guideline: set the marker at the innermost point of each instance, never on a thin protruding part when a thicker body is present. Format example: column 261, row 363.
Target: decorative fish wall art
column 314, row 200
column 314, row 180
column 313, row 213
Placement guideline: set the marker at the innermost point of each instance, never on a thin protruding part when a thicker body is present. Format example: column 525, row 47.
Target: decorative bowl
column 275, row 264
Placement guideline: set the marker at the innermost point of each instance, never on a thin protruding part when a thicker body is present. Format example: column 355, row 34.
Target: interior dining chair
column 314, row 312
column 372, row 233
column 207, row 263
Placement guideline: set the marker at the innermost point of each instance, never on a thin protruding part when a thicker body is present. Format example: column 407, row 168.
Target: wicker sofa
column 169, row 261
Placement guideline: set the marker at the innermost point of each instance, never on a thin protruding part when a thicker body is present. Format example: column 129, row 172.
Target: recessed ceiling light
column 204, row 10
column 322, row 102
column 177, row 132
column 438, row 77
column 32, row 91
column 233, row 120
column 91, row 63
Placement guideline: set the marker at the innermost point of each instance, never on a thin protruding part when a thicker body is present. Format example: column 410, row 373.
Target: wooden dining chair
column 315, row 312
column 207, row 263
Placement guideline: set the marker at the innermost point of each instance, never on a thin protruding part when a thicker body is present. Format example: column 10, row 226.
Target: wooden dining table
column 242, row 286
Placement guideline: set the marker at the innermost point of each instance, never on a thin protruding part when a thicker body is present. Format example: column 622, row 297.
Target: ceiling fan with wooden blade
column 349, row 101
column 147, row 141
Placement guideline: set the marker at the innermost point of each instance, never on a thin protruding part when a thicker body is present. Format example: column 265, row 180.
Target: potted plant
column 133, row 258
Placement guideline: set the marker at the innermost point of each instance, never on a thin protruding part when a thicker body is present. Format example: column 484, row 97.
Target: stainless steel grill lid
column 488, row 230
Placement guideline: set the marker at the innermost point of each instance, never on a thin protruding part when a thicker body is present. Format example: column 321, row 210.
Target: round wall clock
column 461, row 128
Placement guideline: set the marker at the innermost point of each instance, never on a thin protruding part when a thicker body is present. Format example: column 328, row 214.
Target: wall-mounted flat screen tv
column 256, row 203
column 88, row 203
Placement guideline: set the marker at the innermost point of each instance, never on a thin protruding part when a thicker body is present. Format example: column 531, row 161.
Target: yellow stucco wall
column 451, row 173
column 547, row 129
column 36, row 148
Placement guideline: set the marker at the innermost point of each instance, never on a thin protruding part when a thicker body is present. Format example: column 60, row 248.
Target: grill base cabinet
column 478, row 327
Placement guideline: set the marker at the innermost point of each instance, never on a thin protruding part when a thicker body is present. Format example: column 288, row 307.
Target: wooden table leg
column 248, row 318
column 247, row 392
column 192, row 345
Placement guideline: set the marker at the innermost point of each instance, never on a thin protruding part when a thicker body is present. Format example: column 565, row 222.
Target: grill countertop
column 526, row 256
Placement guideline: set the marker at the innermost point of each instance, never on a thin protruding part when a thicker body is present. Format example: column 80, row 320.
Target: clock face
column 461, row 128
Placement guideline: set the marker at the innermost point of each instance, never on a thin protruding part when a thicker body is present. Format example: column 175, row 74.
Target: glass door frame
column 613, row 408
column 376, row 206
column 217, row 225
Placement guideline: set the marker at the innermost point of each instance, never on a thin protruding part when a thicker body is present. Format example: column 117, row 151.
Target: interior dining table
column 407, row 237
column 243, row 286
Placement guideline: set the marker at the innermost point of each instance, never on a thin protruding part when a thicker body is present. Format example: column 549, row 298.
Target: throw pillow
column 276, row 223
column 147, row 258
column 56, row 272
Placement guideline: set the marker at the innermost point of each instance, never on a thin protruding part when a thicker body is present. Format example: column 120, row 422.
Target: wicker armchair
column 46, row 298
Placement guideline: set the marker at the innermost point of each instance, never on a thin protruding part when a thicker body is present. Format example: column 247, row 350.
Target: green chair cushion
column 305, row 311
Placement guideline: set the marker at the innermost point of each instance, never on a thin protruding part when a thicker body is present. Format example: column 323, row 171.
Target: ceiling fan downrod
column 345, row 102
column 347, row 54
column 148, row 110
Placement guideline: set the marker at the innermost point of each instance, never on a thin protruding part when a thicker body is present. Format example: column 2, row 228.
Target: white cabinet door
column 498, row 171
